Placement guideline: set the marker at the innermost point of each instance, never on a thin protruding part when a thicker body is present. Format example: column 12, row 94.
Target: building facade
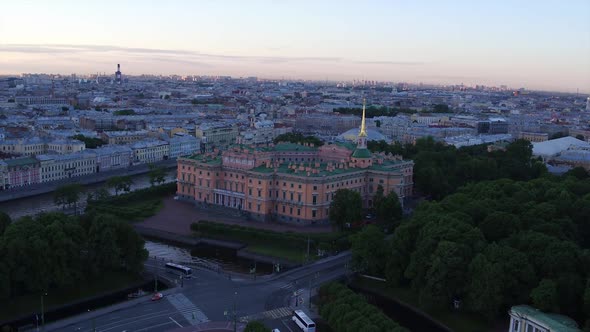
column 113, row 157
column 22, row 172
column 54, row 167
column 124, row 137
column 150, row 151
column 524, row 318
column 219, row 136
column 290, row 182
column 183, row 145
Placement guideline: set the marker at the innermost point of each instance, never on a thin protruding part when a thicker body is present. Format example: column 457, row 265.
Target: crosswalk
column 189, row 311
column 270, row 314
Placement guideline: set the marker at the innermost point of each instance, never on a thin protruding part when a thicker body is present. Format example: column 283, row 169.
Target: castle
column 289, row 182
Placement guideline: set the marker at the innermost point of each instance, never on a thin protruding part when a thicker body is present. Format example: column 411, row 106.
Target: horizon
column 542, row 46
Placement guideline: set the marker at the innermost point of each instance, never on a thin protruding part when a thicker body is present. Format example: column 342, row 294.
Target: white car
column 276, row 330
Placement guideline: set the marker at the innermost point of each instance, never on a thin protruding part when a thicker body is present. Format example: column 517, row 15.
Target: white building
column 183, row 145
column 524, row 318
column 112, row 157
column 64, row 166
column 65, row 146
column 149, row 151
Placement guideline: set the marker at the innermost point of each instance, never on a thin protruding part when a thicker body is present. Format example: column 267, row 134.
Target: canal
column 225, row 258
column 44, row 203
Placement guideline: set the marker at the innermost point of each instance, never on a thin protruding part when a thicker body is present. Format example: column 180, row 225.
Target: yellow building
column 291, row 182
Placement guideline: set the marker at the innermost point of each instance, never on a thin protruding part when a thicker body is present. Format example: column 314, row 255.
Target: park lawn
column 105, row 283
column 130, row 211
column 290, row 254
column 458, row 322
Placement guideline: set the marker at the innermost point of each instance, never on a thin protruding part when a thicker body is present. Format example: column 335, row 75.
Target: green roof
column 293, row 147
column 284, row 169
column 361, row 153
column 20, row 161
column 209, row 160
column 347, row 145
column 555, row 322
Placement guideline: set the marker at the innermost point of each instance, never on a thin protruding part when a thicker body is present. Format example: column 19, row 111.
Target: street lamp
column 235, row 318
column 43, row 311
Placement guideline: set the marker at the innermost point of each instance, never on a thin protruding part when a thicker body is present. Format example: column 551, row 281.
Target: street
column 212, row 296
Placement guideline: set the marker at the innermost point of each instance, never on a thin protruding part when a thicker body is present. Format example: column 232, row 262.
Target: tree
column 389, row 209
column 378, row 197
column 120, row 183
column 90, row 142
column 298, row 138
column 256, row 326
column 369, row 250
column 5, row 220
column 68, row 195
column 346, row 208
column 578, row 172
column 544, row 296
column 157, row 175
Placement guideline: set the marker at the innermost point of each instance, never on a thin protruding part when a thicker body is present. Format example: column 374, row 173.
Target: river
column 44, row 203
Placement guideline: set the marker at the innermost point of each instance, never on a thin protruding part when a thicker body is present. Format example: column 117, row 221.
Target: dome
column 352, row 135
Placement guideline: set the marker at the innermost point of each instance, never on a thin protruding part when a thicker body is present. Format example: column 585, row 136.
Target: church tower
column 361, row 155
column 361, row 142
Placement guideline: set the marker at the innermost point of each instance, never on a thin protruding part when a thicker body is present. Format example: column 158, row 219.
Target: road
column 212, row 296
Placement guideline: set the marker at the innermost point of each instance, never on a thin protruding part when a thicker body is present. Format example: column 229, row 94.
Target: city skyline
column 537, row 45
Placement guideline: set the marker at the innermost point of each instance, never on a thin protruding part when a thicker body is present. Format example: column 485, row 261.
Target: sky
column 535, row 44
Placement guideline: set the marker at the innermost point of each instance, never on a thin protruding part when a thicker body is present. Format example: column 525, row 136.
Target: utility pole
column 308, row 239
column 43, row 311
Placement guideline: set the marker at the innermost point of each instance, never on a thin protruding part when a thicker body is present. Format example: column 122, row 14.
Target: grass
column 292, row 255
column 458, row 322
column 107, row 282
column 290, row 246
column 130, row 211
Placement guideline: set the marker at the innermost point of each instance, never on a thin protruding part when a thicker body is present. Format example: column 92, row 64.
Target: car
column 276, row 330
column 157, row 296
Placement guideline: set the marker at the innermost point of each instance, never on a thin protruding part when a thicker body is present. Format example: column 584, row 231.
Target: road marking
column 191, row 313
column 177, row 323
column 287, row 326
column 270, row 314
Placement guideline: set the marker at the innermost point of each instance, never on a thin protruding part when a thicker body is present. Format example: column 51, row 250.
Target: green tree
column 389, row 209
column 120, row 183
column 5, row 220
column 544, row 296
column 90, row 142
column 256, row 326
column 68, row 195
column 157, row 175
column 578, row 172
column 346, row 208
column 369, row 250
column 378, row 197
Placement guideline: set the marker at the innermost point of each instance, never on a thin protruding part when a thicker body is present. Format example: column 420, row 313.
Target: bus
column 304, row 322
column 180, row 270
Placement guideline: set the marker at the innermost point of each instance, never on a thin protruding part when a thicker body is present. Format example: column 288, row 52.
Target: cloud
column 72, row 49
column 392, row 63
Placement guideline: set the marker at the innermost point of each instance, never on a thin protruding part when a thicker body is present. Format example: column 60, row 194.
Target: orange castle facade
column 289, row 182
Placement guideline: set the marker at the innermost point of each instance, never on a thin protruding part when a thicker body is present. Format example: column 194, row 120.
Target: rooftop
column 555, row 322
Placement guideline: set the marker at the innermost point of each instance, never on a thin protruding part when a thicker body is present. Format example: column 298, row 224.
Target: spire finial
column 363, row 131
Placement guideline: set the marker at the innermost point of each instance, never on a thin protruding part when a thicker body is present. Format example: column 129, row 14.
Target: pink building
column 22, row 171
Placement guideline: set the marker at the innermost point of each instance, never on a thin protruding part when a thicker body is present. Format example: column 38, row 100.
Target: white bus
column 180, row 270
column 304, row 322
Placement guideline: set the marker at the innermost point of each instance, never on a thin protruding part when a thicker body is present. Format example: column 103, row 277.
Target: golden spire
column 363, row 131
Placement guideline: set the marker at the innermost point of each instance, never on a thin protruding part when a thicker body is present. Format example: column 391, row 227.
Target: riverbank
column 43, row 188
column 455, row 321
